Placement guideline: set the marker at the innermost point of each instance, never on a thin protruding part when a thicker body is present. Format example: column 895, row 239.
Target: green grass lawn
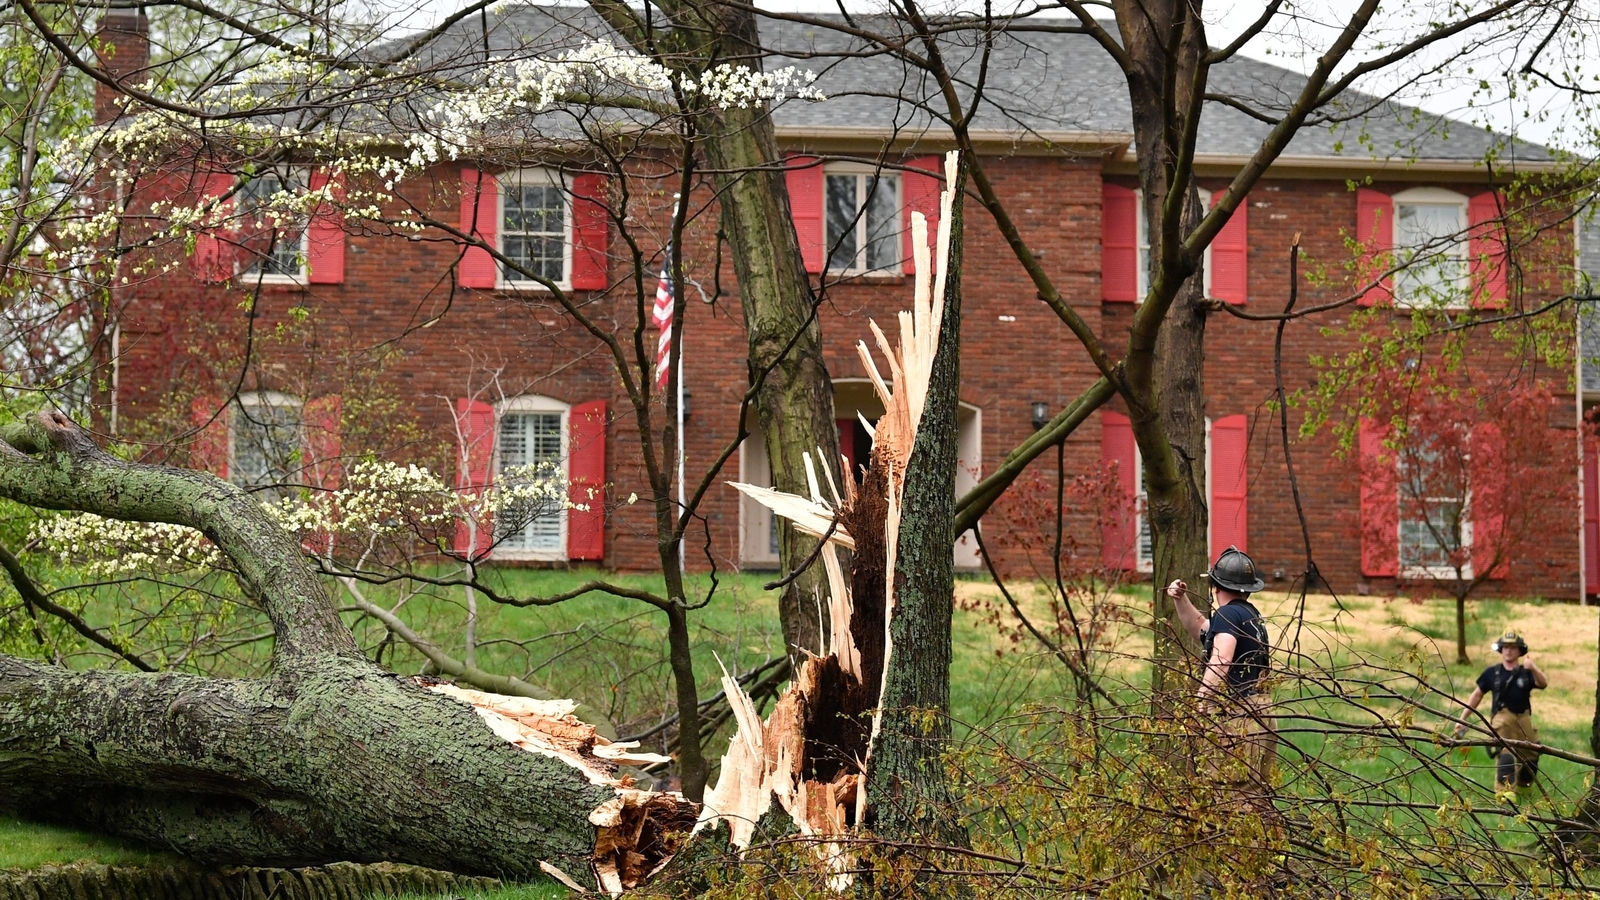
column 27, row 845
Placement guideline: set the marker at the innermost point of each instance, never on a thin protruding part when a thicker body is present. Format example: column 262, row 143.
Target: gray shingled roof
column 1037, row 82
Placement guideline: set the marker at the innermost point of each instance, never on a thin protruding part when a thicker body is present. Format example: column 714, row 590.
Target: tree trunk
column 1461, row 631
column 795, row 404
column 337, row 760
column 908, row 794
column 1179, row 516
column 330, row 757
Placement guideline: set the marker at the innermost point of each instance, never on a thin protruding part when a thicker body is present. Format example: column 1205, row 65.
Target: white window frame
column 250, row 269
column 1142, row 251
column 863, row 174
column 1435, row 196
column 1433, row 573
column 259, row 399
column 533, row 176
column 536, row 403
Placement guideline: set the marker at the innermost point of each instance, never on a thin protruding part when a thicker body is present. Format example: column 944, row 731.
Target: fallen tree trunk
column 330, row 758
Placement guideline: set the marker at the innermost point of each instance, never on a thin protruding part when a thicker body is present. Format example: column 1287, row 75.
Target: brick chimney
column 124, row 36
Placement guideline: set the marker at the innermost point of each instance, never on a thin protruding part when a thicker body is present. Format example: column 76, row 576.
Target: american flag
column 663, row 319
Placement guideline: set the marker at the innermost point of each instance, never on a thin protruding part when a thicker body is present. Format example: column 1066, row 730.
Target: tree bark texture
column 907, row 789
column 343, row 761
column 1179, row 515
column 795, row 404
column 340, row 881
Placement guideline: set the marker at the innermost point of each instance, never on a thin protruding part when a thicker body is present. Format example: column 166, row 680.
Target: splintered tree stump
column 811, row 759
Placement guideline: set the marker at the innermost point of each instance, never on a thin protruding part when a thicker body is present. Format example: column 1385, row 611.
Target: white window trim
column 1435, row 196
column 895, row 268
column 298, row 279
column 1142, row 244
column 267, row 399
column 527, row 176
column 536, row 403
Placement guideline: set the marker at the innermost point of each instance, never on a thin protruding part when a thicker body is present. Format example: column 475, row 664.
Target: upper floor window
column 266, row 441
column 1429, row 243
column 272, row 230
column 535, row 226
column 862, row 214
column 532, row 444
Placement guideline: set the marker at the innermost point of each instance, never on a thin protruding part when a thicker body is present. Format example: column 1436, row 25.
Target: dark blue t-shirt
column 1512, row 688
column 1250, row 659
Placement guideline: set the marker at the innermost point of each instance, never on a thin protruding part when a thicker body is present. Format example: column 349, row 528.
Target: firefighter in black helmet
column 1236, row 653
column 1511, row 682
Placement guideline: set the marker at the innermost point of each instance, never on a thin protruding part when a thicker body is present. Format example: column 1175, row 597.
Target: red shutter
column 1119, row 244
column 213, row 250
column 1486, row 248
column 589, row 233
column 1487, row 483
column 209, row 452
column 475, row 428
column 1591, row 517
column 1230, row 260
column 480, row 217
column 1119, row 527
column 325, row 232
column 1230, row 450
column 847, row 445
column 586, row 480
column 921, row 193
column 323, row 445
column 804, row 177
column 1375, row 231
column 1380, row 504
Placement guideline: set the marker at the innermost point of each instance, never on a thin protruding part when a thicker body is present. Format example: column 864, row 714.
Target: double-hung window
column 273, row 227
column 1430, row 245
column 1435, row 521
column 532, row 467
column 862, row 210
column 266, row 442
column 535, row 227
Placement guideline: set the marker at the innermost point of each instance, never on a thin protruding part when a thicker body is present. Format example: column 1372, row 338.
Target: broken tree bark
column 850, row 743
column 329, row 757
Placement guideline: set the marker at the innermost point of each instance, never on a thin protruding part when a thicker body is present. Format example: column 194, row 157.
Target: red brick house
column 494, row 375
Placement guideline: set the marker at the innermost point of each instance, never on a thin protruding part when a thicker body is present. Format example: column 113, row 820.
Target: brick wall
column 399, row 330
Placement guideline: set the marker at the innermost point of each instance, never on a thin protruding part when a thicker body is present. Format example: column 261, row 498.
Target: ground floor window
column 531, row 451
column 1435, row 521
column 266, row 442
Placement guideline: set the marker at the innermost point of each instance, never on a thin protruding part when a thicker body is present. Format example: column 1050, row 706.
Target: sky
column 1464, row 79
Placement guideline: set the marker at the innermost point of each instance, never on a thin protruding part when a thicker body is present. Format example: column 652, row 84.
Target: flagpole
column 682, row 497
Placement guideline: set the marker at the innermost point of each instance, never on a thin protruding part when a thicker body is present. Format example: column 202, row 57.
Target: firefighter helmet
column 1236, row 571
column 1510, row 639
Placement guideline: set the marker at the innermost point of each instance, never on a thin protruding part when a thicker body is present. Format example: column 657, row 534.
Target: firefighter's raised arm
column 1188, row 616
